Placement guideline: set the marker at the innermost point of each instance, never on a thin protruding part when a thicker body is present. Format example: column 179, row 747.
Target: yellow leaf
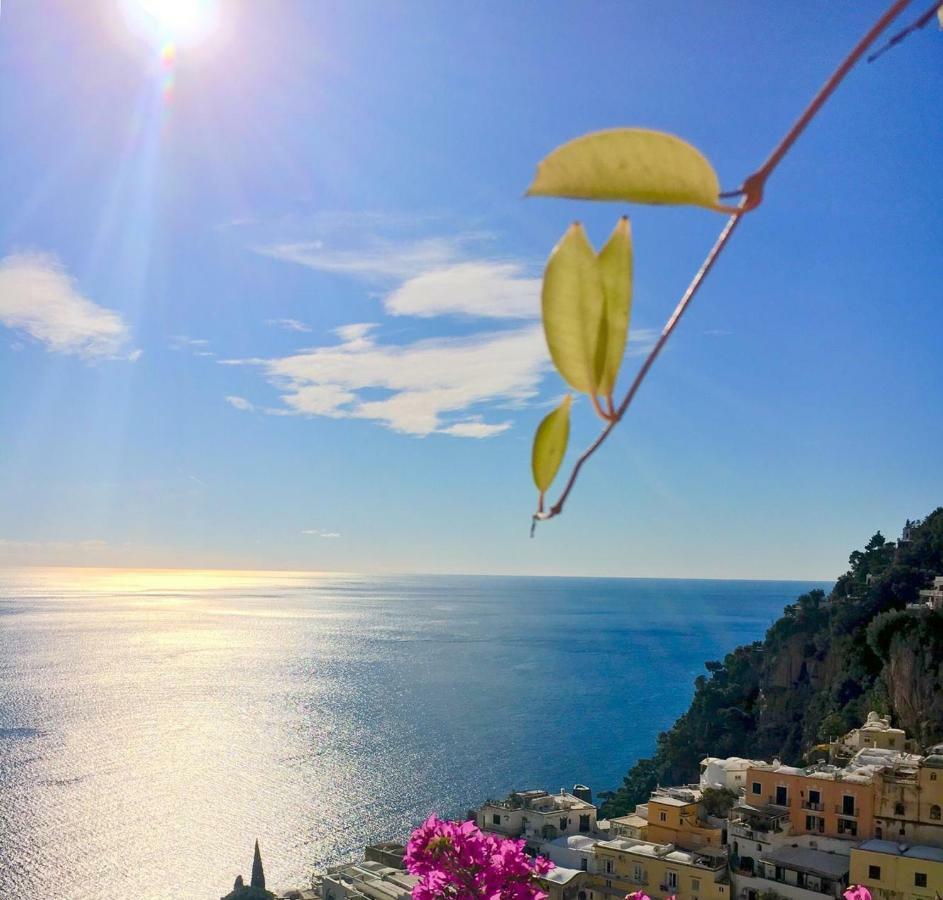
column 631, row 164
column 615, row 270
column 572, row 304
column 550, row 441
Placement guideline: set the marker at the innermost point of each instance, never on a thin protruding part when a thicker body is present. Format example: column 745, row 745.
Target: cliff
column 820, row 669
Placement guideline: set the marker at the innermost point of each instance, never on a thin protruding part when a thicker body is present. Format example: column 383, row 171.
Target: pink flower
column 639, row 895
column 857, row 892
column 458, row 861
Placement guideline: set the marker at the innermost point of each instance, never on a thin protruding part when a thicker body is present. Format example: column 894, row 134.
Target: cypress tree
column 258, row 874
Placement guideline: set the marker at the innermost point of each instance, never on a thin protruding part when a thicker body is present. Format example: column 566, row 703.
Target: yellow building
column 631, row 826
column 674, row 817
column 909, row 799
column 660, row 870
column 893, row 871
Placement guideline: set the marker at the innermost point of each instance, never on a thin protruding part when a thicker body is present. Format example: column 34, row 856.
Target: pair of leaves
column 587, row 298
column 586, row 303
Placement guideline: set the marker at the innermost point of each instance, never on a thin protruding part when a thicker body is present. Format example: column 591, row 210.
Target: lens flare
column 180, row 22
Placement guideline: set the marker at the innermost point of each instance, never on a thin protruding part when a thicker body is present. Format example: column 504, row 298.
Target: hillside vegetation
column 821, row 668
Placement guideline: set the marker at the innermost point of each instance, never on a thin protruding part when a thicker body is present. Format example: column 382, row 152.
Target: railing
column 815, row 807
column 773, row 802
column 843, row 811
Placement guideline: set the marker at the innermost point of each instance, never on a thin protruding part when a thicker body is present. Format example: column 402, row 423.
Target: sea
column 154, row 724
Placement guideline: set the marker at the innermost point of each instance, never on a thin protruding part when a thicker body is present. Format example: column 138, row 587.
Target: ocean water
column 153, row 725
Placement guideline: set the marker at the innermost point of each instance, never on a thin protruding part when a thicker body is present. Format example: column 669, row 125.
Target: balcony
column 847, row 811
column 814, row 807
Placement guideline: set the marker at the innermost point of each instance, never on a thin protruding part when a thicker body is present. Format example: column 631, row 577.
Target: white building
column 538, row 816
column 933, row 596
column 797, row 871
column 575, row 851
column 729, row 773
column 366, row 881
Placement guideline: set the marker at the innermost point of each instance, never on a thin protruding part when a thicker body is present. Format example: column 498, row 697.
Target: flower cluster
column 458, row 861
column 641, row 895
column 857, row 892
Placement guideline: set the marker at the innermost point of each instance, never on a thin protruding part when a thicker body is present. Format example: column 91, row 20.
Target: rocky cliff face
column 820, row 669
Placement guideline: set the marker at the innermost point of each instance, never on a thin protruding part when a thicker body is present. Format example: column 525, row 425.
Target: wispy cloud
column 429, row 386
column 288, row 324
column 321, row 533
column 498, row 290
column 196, row 346
column 372, row 258
column 446, row 385
column 240, row 403
column 40, row 300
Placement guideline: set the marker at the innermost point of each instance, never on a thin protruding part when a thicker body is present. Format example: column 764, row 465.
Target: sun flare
column 173, row 21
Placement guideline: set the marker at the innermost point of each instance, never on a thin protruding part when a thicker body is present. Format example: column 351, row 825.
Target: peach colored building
column 820, row 800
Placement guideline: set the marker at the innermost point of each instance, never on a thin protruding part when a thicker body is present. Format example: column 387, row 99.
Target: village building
column 798, row 870
column 932, row 597
column 822, row 799
column 366, row 881
column 660, row 870
column 893, row 870
column 675, row 816
column 877, row 732
column 729, row 773
column 538, row 816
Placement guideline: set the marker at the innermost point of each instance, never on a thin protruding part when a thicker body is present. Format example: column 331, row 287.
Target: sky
column 269, row 292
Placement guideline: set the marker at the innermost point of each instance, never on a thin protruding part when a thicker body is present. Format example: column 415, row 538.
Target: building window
column 933, row 776
column 638, row 874
column 848, row 805
column 672, row 881
column 663, row 817
column 757, row 788
column 584, row 823
column 815, row 798
column 583, row 863
column 782, row 796
column 608, row 867
column 563, row 823
column 920, row 879
column 898, row 809
column 495, row 819
column 847, row 826
column 815, row 823
column 695, row 884
column 874, row 872
column 935, row 812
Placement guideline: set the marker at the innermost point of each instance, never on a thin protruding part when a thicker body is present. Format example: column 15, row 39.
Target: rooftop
column 561, row 875
column 914, row 851
column 817, row 862
column 664, row 851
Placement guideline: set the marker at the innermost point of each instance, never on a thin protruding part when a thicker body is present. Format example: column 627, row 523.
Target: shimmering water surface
column 152, row 725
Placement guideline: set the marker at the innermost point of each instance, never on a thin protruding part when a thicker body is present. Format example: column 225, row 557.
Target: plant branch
column 895, row 39
column 751, row 195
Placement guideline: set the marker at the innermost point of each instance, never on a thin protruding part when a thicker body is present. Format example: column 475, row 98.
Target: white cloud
column 429, row 386
column 240, row 403
column 197, row 346
column 499, row 290
column 39, row 299
column 321, row 533
column 375, row 258
column 444, row 385
column 288, row 324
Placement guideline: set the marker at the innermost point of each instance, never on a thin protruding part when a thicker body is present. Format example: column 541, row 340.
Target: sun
column 177, row 22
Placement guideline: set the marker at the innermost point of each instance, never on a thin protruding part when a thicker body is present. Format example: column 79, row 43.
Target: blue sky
column 284, row 314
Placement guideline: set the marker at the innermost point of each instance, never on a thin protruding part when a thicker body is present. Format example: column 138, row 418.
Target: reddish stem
column 751, row 194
